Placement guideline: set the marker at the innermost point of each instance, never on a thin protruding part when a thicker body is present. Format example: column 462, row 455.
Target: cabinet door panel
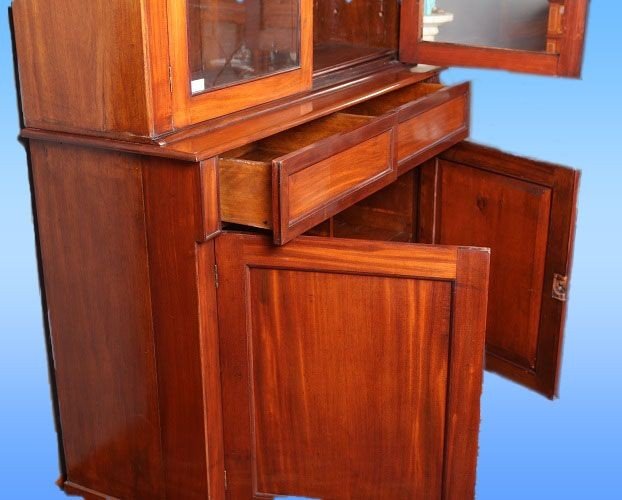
column 524, row 211
column 350, row 369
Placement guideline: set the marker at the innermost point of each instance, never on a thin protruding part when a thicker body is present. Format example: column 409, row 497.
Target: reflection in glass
column 232, row 41
column 509, row 24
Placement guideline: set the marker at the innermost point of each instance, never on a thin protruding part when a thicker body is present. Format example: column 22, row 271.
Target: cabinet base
column 73, row 489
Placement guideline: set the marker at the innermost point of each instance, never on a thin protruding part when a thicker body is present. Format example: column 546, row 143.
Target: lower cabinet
column 350, row 369
column 352, row 357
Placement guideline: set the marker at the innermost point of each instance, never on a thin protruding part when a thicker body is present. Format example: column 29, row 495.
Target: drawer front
column 432, row 125
column 311, row 185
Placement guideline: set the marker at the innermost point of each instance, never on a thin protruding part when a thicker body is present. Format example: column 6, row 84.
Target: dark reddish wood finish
column 174, row 223
column 320, row 350
column 388, row 215
column 210, row 367
column 338, row 160
column 567, row 62
column 118, row 237
column 465, row 373
column 525, row 212
column 210, row 198
column 212, row 137
column 349, row 33
column 65, row 70
column 318, row 181
column 99, row 308
column 430, row 117
column 335, row 349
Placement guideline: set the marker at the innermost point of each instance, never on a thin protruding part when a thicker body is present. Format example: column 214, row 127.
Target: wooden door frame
column 465, row 267
column 565, row 63
column 188, row 109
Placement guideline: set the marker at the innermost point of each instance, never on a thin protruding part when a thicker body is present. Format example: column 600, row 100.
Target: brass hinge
column 560, row 287
column 226, row 485
column 216, row 275
column 170, row 79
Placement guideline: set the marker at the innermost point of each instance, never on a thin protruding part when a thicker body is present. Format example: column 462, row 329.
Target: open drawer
column 431, row 117
column 292, row 181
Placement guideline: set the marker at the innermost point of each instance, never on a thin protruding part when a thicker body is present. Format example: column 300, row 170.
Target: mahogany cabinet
column 272, row 265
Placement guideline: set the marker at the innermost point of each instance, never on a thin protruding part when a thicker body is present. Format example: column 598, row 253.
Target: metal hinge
column 226, row 484
column 216, row 275
column 560, row 287
column 170, row 79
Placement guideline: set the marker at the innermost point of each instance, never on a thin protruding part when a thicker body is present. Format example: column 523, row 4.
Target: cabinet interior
column 349, row 32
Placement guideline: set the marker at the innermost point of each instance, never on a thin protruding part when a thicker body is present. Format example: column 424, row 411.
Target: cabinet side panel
column 82, row 65
column 92, row 234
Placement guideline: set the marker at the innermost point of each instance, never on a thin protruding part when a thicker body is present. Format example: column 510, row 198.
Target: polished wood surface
column 310, row 185
column 174, row 216
column 356, row 24
column 329, row 57
column 213, row 137
column 430, row 116
column 210, row 198
column 132, row 352
column 99, row 308
column 245, row 192
column 310, row 188
column 567, row 62
column 465, row 373
column 207, row 280
column 192, row 363
column 524, row 211
column 349, row 33
column 417, row 135
column 66, row 50
column 338, row 160
column 365, row 382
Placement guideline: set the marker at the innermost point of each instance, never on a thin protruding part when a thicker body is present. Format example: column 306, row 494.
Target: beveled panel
column 314, row 186
column 524, row 210
column 511, row 217
column 350, row 369
column 327, row 387
column 425, row 130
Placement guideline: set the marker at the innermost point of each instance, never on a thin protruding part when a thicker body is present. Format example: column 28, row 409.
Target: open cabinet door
column 531, row 36
column 350, row 369
column 524, row 211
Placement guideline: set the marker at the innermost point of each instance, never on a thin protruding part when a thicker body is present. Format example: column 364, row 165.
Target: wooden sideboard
column 272, row 265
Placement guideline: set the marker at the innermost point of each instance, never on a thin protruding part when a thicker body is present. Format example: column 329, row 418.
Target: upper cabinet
column 140, row 69
column 532, row 36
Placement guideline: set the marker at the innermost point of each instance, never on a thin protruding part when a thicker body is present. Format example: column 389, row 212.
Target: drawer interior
column 394, row 100
column 297, row 138
column 246, row 172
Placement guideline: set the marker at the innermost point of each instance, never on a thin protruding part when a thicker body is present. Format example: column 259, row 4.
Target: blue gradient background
column 529, row 447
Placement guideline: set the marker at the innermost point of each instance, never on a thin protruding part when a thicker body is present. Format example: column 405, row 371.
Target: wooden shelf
column 332, row 56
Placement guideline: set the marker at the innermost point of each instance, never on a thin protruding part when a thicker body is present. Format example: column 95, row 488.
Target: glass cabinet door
column 531, row 36
column 234, row 41
column 228, row 56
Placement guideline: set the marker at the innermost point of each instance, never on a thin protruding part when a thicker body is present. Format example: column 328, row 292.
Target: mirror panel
column 506, row 24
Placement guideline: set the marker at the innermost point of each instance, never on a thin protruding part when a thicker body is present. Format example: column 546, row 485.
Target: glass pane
column 509, row 24
column 232, row 41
